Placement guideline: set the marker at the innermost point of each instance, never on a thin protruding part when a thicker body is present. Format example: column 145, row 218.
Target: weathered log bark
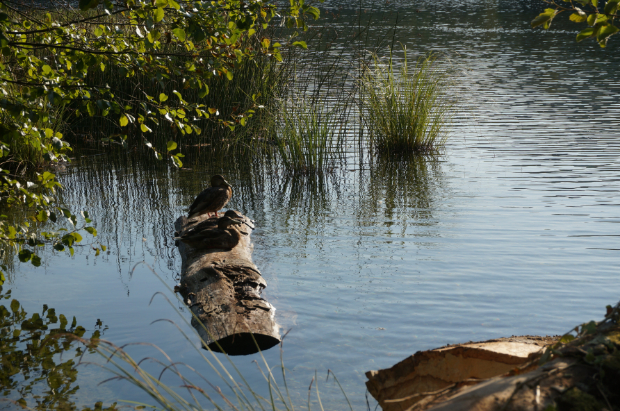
column 223, row 289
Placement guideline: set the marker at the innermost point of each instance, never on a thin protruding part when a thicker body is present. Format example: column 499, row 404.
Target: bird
column 205, row 235
column 212, row 199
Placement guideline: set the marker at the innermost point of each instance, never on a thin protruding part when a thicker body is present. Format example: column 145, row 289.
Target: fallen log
column 222, row 287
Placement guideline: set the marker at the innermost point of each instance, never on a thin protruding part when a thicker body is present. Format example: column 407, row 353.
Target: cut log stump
column 428, row 373
column 222, row 288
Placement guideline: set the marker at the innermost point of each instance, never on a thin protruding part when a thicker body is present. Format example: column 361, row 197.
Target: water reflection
column 40, row 358
column 402, row 187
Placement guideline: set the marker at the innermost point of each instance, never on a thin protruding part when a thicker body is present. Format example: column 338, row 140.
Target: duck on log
column 220, row 284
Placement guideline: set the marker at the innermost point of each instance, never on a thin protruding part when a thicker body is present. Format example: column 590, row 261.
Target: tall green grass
column 406, row 110
column 309, row 133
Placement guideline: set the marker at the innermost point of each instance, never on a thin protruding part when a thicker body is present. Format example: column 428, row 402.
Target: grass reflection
column 401, row 187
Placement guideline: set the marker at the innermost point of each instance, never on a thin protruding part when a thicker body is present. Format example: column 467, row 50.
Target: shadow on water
column 40, row 357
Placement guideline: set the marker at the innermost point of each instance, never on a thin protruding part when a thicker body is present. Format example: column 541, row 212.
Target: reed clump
column 407, row 110
column 309, row 133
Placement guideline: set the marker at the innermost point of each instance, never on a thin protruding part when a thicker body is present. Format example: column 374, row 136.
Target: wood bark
column 222, row 288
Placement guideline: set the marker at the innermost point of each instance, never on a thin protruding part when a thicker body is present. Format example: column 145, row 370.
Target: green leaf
column 68, row 240
column 42, row 216
column 124, row 120
column 92, row 109
column 177, row 161
column 301, row 44
column 4, row 42
column 15, row 306
column 544, row 18
column 36, row 261
column 314, row 12
column 611, row 7
column 171, row 146
column 159, row 14
column 606, row 31
column 144, row 128
column 567, row 338
column 25, row 255
column 77, row 237
column 63, row 321
column 592, row 19
column 91, row 230
column 174, row 4
column 588, row 328
column 179, row 33
column 578, row 18
column 163, row 97
column 586, row 33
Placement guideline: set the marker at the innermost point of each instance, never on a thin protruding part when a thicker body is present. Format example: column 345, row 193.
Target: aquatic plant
column 409, row 109
column 309, row 133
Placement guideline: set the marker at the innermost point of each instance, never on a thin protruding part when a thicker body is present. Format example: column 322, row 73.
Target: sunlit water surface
column 512, row 230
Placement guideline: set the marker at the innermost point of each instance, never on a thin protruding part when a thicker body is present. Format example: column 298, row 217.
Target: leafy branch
column 599, row 19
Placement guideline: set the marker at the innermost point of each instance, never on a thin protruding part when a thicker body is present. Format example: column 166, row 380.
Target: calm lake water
column 512, row 230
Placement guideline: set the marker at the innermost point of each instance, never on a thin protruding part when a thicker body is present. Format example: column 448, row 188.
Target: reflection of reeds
column 402, row 187
column 407, row 110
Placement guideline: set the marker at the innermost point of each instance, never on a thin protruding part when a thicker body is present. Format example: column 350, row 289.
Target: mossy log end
column 222, row 288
